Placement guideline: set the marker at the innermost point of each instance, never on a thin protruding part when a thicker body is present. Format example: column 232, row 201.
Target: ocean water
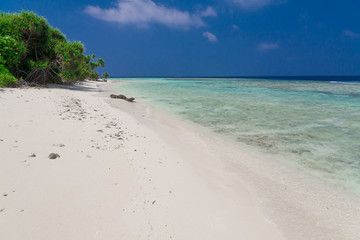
column 310, row 123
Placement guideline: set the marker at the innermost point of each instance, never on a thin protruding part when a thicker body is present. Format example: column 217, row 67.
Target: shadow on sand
column 81, row 86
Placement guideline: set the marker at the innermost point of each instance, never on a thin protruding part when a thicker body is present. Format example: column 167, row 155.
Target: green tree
column 101, row 62
column 105, row 75
column 72, row 62
column 33, row 50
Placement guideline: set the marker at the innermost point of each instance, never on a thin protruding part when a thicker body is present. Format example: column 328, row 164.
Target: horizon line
column 254, row 76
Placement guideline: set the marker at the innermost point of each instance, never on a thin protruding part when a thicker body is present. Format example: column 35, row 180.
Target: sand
column 128, row 171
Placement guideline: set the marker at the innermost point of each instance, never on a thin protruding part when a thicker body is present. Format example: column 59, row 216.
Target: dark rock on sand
column 32, row 155
column 53, row 155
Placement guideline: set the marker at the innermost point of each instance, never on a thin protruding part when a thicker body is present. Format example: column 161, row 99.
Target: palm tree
column 101, row 62
column 105, row 75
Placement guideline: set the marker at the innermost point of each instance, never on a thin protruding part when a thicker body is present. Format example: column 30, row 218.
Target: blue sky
column 210, row 37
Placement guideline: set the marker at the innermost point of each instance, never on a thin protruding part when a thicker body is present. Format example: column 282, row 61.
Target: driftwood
column 131, row 99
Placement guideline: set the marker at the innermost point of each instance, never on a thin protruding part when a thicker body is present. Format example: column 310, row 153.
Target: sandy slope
column 115, row 178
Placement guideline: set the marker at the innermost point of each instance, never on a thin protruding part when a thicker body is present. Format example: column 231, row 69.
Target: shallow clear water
column 314, row 125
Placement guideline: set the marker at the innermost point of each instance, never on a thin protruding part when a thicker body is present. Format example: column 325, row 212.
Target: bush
column 6, row 78
column 10, row 51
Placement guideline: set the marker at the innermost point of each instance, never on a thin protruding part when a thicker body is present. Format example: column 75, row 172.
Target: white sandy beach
column 129, row 172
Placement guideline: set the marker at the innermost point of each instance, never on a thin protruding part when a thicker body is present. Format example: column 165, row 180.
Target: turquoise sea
column 310, row 123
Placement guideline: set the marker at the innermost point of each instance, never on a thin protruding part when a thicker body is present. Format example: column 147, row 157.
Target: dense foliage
column 33, row 51
column 6, row 78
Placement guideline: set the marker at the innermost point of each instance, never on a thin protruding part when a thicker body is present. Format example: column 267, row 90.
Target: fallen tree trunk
column 121, row 96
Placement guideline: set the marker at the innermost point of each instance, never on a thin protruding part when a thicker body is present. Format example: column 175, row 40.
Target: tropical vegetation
column 32, row 51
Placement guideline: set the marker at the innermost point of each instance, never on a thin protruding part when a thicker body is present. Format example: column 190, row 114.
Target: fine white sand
column 133, row 172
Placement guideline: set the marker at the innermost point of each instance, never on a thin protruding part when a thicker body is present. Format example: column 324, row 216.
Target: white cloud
column 351, row 34
column 256, row 4
column 143, row 12
column 265, row 47
column 210, row 37
column 208, row 12
column 235, row 27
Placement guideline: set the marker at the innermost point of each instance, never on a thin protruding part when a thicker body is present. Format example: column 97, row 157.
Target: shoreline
column 136, row 173
column 309, row 201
